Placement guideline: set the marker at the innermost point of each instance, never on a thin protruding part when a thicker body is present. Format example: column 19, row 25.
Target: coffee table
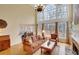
column 48, row 46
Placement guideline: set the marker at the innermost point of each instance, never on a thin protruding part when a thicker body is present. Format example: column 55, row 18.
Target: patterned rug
column 68, row 51
column 65, row 50
column 60, row 49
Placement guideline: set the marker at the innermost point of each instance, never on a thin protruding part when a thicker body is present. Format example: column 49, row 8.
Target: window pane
column 49, row 28
column 62, row 30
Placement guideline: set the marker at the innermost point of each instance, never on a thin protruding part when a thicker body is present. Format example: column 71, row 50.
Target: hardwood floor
column 14, row 50
column 18, row 50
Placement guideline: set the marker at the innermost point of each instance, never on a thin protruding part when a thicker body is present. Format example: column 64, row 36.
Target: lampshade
column 43, row 31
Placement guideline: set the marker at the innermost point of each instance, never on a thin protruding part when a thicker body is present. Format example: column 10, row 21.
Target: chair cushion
column 34, row 38
column 34, row 44
column 30, row 40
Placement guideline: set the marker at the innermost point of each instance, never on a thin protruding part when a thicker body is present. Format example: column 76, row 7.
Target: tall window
column 51, row 13
column 54, row 12
column 76, row 13
column 62, row 12
column 49, row 28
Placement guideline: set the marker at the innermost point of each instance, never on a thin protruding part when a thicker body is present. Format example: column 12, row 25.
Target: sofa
column 32, row 43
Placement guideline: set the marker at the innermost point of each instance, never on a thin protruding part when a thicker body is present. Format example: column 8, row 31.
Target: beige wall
column 15, row 15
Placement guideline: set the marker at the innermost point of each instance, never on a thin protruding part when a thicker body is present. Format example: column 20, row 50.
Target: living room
column 39, row 29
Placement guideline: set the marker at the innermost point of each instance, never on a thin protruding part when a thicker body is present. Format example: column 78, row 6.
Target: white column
column 69, row 24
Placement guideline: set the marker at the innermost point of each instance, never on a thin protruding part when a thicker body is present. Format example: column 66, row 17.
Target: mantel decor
column 3, row 23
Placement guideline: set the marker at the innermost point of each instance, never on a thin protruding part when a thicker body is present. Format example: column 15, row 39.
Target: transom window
column 53, row 12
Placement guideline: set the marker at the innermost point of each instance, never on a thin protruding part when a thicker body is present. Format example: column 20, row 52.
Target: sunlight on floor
column 60, row 49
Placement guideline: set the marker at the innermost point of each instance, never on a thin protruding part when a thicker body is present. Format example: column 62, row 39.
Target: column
column 69, row 23
column 36, row 25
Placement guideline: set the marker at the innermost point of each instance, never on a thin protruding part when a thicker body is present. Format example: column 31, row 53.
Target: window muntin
column 54, row 12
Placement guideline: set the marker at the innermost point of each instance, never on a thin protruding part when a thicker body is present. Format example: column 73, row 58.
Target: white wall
column 15, row 15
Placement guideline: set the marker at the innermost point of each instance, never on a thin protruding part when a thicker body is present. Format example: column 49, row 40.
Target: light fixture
column 39, row 7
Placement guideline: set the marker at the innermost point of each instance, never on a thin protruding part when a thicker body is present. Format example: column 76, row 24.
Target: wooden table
column 48, row 47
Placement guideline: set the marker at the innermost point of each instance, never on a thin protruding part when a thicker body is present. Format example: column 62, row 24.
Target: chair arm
column 57, row 39
column 27, row 43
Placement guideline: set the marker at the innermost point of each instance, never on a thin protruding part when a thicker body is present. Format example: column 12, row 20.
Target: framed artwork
column 3, row 24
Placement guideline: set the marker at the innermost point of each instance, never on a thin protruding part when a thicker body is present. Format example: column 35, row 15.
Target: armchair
column 54, row 37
